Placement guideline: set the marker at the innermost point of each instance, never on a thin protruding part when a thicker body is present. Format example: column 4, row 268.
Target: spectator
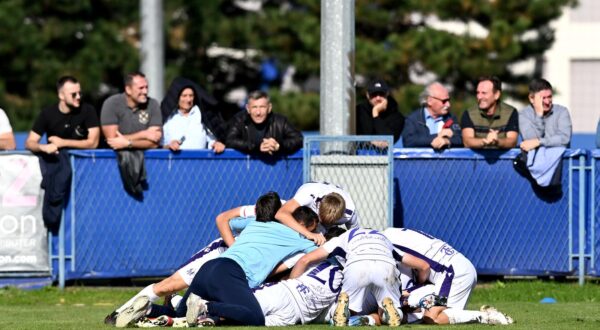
column 380, row 115
column 132, row 120
column 493, row 124
column 432, row 125
column 546, row 132
column 259, row 131
column 7, row 139
column 189, row 122
column 68, row 124
column 543, row 123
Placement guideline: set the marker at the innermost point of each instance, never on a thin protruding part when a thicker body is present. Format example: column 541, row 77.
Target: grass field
column 84, row 307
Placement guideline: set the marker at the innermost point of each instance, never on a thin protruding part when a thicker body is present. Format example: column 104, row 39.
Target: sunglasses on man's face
column 73, row 95
column 375, row 94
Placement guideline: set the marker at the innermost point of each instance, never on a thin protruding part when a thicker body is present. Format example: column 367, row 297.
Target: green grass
column 84, row 307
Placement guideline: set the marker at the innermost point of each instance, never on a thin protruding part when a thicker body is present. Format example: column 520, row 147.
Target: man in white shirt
column 7, row 138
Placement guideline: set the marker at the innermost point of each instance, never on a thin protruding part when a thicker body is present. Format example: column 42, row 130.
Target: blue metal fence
column 474, row 200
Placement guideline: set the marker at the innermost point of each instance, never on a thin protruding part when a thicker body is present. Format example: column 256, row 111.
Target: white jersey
column 360, row 244
column 421, row 244
column 189, row 269
column 310, row 194
column 303, row 299
column 453, row 275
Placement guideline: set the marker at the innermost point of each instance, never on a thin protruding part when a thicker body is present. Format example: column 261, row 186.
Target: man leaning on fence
column 131, row 122
column 379, row 115
column 7, row 138
column 67, row 124
column 432, row 126
column 260, row 131
column 493, row 124
column 546, row 131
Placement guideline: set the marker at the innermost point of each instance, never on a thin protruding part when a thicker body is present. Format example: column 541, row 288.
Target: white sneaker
column 341, row 313
column 179, row 322
column 391, row 315
column 136, row 311
column 196, row 306
column 493, row 316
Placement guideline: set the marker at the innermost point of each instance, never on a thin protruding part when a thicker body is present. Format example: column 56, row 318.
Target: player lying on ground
column 225, row 282
column 452, row 275
column 369, row 268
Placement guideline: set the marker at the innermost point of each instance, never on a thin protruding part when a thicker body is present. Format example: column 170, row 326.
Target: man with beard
column 493, row 124
column 69, row 124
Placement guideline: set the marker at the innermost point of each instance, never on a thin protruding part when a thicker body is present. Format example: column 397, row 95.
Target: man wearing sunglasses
column 432, row 126
column 380, row 115
column 68, row 124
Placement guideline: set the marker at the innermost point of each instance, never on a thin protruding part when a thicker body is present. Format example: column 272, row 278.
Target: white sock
column 457, row 316
column 147, row 291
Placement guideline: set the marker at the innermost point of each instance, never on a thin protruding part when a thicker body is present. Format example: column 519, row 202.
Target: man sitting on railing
column 546, row 132
column 493, row 124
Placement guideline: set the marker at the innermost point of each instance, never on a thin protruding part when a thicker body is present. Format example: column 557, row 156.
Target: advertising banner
column 23, row 237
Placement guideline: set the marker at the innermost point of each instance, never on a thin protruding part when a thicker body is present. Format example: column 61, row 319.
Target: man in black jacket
column 259, row 131
column 380, row 115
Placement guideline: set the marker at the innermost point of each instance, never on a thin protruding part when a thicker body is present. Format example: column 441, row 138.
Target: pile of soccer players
column 353, row 277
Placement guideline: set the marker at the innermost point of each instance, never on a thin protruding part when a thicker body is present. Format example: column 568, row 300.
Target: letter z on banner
column 23, row 237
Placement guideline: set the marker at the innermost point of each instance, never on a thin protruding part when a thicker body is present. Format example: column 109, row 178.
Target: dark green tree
column 97, row 41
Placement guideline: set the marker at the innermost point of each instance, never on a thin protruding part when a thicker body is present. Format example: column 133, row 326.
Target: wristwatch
column 129, row 145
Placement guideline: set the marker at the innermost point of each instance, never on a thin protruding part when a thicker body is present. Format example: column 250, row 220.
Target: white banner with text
column 23, row 237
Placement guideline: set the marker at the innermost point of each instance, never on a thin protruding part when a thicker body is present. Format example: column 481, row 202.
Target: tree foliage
column 400, row 41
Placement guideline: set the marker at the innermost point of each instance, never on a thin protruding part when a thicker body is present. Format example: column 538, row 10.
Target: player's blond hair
column 331, row 209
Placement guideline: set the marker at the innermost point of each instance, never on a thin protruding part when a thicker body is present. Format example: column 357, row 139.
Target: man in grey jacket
column 543, row 123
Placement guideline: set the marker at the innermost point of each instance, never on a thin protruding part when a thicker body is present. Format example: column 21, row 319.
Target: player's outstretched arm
column 319, row 254
column 222, row 222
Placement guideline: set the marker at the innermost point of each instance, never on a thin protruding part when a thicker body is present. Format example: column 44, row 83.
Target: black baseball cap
column 377, row 86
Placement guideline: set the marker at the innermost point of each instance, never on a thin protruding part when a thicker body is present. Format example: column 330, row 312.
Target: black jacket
column 416, row 133
column 211, row 118
column 389, row 122
column 242, row 132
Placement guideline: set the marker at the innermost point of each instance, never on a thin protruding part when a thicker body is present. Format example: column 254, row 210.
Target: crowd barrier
column 475, row 201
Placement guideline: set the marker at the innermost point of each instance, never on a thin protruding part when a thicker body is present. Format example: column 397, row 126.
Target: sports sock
column 147, row 291
column 457, row 316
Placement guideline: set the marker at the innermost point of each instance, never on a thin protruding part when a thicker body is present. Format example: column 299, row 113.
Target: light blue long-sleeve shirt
column 553, row 129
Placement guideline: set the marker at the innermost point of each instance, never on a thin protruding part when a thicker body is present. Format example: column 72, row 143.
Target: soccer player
column 452, row 275
column 306, row 299
column 225, row 283
column 369, row 268
column 333, row 205
column 235, row 219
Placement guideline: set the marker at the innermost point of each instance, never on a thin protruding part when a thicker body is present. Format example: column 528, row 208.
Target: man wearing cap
column 432, row 125
column 380, row 115
column 493, row 124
